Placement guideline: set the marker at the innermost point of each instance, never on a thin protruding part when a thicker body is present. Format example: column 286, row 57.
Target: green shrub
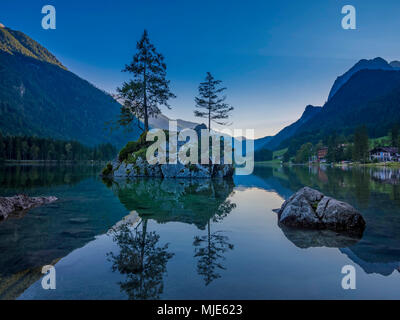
column 130, row 147
column 193, row 167
column 133, row 147
column 107, row 170
column 140, row 153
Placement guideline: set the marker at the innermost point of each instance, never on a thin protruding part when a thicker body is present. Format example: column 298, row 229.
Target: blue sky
column 275, row 57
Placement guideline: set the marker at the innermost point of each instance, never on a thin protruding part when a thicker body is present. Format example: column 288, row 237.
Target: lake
column 183, row 239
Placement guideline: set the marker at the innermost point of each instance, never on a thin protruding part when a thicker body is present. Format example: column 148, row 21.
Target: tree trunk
column 209, row 106
column 146, row 115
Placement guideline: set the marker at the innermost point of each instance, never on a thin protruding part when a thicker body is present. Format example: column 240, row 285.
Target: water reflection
column 182, row 200
column 46, row 234
column 28, row 177
column 200, row 202
column 141, row 259
column 210, row 248
column 373, row 191
column 200, row 246
column 318, row 238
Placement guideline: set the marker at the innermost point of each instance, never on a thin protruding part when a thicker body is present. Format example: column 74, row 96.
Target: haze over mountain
column 287, row 132
column 162, row 122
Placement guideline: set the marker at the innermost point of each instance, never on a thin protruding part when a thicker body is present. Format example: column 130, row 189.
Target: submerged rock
column 21, row 202
column 309, row 208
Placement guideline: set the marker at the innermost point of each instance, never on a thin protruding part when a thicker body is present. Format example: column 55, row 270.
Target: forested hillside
column 39, row 97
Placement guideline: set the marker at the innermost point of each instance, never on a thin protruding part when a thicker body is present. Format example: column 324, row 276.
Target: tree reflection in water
column 210, row 249
column 141, row 259
column 199, row 202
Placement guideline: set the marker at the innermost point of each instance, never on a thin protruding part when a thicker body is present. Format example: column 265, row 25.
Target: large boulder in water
column 21, row 202
column 309, row 208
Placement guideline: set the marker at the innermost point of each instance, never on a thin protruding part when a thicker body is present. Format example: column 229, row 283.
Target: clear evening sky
column 275, row 57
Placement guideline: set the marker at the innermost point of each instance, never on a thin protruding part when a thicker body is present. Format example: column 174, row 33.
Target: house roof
column 385, row 149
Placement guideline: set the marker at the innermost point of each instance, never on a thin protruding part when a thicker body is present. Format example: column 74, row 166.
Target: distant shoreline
column 52, row 162
column 338, row 165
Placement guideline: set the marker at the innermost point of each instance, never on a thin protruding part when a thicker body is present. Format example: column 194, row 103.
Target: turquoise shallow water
column 195, row 239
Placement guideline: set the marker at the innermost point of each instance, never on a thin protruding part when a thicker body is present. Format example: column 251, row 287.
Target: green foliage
column 286, row 157
column 304, row 154
column 142, row 95
column 336, row 151
column 107, row 170
column 263, row 155
column 133, row 149
column 394, row 135
column 340, row 148
column 33, row 148
column 361, row 145
column 38, row 97
column 140, row 153
column 370, row 98
column 130, row 147
column 211, row 101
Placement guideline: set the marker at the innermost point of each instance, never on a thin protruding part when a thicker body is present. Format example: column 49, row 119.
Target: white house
column 385, row 154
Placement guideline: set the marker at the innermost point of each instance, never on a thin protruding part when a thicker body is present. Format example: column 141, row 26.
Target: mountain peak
column 377, row 63
column 309, row 108
column 368, row 64
column 17, row 43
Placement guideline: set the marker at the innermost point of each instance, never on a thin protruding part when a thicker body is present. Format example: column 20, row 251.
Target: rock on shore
column 309, row 208
column 141, row 168
column 131, row 162
column 21, row 202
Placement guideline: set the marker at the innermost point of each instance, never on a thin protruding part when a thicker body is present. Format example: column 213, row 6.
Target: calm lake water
column 182, row 239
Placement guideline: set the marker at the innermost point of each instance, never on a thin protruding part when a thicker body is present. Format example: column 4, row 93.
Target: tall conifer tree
column 149, row 89
column 211, row 101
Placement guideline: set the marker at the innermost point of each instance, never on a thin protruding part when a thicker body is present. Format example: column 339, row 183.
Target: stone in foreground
column 21, row 202
column 310, row 209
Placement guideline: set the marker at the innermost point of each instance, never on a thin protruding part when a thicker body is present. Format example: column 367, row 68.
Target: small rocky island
column 310, row 209
column 21, row 202
column 131, row 162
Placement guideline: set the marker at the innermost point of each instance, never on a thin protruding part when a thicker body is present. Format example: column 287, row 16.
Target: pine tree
column 2, row 147
column 149, row 89
column 332, row 149
column 210, row 100
column 361, row 144
column 395, row 135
